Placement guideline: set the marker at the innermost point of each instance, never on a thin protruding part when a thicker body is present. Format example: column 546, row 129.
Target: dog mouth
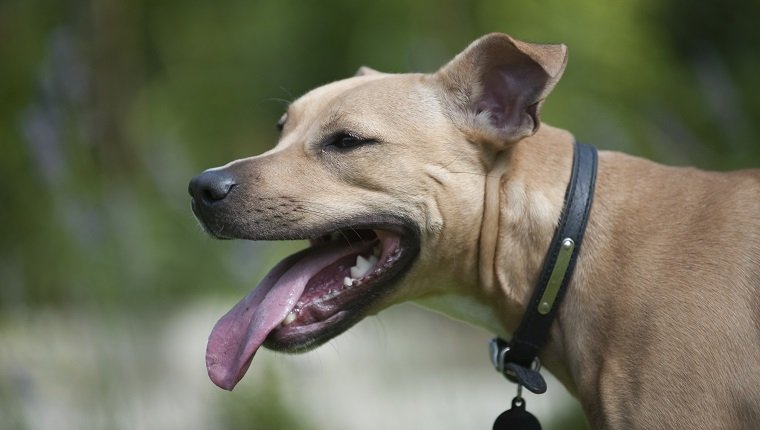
column 310, row 297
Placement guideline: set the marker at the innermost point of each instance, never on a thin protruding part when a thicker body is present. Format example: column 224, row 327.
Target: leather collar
column 516, row 359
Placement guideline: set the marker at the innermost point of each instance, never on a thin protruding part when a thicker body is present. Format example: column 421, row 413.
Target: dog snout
column 211, row 186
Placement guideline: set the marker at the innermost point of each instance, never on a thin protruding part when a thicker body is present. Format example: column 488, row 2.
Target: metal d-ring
column 499, row 349
column 536, row 364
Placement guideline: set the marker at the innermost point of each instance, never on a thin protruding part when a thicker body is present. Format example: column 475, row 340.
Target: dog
column 445, row 189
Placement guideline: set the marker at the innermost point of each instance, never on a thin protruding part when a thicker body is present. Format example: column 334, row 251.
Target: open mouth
column 310, row 297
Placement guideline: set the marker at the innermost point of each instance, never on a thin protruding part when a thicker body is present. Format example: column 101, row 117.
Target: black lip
column 207, row 218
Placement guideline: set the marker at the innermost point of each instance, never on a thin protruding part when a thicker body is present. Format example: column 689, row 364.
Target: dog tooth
column 289, row 319
column 361, row 268
column 356, row 272
column 347, row 282
column 373, row 259
column 362, row 262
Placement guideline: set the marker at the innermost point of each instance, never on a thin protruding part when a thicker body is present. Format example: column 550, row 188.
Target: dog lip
column 207, row 222
column 295, row 338
column 393, row 226
column 259, row 229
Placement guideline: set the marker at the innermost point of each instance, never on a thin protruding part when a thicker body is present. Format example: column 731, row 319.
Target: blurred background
column 109, row 289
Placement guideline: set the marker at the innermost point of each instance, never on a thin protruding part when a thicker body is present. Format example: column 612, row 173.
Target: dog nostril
column 211, row 185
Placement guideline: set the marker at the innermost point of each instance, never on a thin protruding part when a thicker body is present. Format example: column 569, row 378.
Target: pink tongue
column 236, row 337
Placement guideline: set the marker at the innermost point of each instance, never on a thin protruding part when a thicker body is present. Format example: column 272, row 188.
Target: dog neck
column 523, row 201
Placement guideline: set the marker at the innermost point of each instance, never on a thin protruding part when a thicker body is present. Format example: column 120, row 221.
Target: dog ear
column 499, row 84
column 365, row 71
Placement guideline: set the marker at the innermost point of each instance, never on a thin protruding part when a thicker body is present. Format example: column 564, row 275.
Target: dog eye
column 345, row 142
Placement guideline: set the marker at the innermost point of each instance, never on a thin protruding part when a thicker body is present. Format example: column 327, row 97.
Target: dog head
column 384, row 175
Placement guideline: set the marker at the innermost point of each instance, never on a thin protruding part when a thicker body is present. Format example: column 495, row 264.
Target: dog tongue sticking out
column 238, row 334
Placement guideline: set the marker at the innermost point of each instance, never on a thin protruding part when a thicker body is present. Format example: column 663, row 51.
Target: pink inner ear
column 506, row 96
column 496, row 113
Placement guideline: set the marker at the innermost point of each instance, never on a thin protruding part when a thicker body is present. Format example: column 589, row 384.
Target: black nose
column 211, row 186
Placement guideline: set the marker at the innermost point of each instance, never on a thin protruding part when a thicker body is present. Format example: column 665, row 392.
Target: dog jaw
column 304, row 300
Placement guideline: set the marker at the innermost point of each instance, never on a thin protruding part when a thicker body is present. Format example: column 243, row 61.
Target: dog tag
column 516, row 418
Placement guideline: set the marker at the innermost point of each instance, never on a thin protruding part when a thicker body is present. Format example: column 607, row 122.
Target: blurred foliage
column 107, row 108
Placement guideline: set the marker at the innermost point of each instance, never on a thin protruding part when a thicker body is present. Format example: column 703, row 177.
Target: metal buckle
column 498, row 349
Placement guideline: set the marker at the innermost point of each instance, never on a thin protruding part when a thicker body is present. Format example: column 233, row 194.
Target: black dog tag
column 516, row 418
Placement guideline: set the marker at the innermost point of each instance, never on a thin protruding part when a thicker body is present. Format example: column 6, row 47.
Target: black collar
column 515, row 359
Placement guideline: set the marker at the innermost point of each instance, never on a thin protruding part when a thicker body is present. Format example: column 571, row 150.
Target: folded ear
column 364, row 71
column 497, row 84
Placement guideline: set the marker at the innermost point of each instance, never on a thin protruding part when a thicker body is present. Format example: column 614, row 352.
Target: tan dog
column 449, row 189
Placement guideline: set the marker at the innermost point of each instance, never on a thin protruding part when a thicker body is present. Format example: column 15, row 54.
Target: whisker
column 285, row 90
column 286, row 102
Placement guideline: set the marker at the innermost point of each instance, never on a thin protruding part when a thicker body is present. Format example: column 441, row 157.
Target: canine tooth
column 348, row 281
column 289, row 319
column 356, row 272
column 362, row 263
column 361, row 268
